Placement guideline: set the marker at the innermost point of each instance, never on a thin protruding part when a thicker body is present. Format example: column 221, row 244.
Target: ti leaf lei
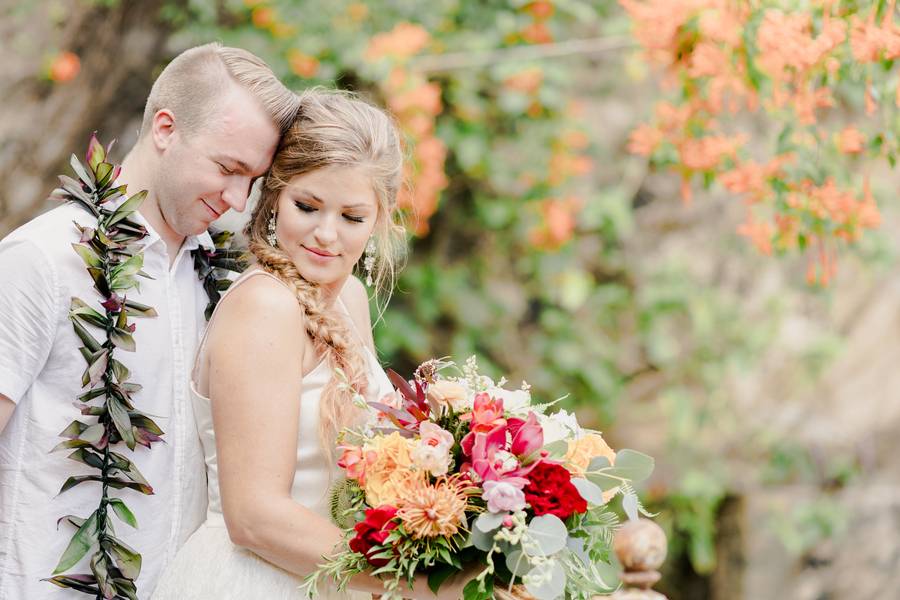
column 114, row 258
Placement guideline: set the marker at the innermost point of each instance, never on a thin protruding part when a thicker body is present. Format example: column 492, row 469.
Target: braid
column 331, row 338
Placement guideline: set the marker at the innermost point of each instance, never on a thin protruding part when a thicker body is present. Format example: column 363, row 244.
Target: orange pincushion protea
column 434, row 510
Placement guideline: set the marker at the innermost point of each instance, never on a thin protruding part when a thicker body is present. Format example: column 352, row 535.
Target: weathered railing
column 641, row 548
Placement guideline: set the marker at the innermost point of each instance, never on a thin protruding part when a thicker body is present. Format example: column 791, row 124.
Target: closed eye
column 225, row 170
column 304, row 207
column 355, row 219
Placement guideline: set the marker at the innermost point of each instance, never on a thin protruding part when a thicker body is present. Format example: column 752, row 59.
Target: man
column 211, row 125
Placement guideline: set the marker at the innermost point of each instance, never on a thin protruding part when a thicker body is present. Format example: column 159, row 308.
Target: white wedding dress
column 209, row 566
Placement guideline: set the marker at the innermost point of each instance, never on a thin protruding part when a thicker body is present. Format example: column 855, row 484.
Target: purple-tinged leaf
column 103, row 174
column 88, row 457
column 73, row 430
column 143, row 421
column 123, row 512
column 81, row 542
column 133, row 485
column 72, row 519
column 93, row 434
column 136, row 309
column 113, row 303
column 90, row 395
column 77, row 480
column 97, row 368
column 95, row 153
column 402, row 385
column 121, row 420
column 126, row 208
column 122, row 339
column 82, row 583
column 120, row 371
column 88, row 256
column 128, row 561
column 79, row 169
column 100, row 568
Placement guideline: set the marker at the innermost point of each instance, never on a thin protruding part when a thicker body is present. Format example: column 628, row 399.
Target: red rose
column 550, row 491
column 373, row 531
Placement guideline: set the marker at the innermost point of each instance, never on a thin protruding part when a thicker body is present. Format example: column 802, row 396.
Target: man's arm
column 7, row 407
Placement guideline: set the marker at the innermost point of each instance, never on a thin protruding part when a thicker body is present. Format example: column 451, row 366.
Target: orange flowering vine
column 794, row 67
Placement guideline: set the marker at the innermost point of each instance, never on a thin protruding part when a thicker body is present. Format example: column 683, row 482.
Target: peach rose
column 448, row 393
column 389, row 468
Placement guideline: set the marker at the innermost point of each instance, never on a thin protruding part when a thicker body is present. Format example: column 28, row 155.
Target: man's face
column 204, row 173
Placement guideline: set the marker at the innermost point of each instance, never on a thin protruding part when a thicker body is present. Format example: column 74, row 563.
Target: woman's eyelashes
column 307, row 208
column 225, row 170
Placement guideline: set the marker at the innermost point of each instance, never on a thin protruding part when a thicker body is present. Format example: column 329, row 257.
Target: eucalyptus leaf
column 591, row 492
column 634, row 466
column 488, row 522
column 546, row 581
column 83, row 540
column 481, row 540
column 557, row 449
column 549, row 533
column 517, row 563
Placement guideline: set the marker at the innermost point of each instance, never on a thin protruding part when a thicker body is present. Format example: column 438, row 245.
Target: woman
column 267, row 400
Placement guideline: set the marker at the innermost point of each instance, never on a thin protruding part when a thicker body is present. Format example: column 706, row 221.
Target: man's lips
column 214, row 212
column 319, row 252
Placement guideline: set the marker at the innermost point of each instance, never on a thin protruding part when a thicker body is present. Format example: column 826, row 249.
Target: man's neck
column 134, row 175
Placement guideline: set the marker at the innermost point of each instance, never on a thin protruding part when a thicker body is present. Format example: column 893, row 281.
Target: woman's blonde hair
column 334, row 128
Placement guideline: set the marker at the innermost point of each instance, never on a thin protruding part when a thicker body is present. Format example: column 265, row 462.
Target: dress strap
column 243, row 277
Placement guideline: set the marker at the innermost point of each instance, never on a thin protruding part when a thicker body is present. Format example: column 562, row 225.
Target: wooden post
column 641, row 548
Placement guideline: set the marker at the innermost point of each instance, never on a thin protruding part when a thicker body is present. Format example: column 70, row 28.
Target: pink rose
column 503, row 496
column 431, row 434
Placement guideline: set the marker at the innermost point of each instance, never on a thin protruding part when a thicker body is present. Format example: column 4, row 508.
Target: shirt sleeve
column 28, row 306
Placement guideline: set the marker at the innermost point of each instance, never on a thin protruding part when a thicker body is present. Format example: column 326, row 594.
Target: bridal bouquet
column 459, row 471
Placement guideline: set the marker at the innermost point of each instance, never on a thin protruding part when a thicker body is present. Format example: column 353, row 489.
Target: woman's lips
column 319, row 253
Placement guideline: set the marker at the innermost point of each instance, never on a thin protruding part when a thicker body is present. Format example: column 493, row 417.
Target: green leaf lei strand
column 114, row 259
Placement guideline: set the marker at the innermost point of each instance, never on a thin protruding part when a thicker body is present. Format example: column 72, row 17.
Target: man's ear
column 163, row 128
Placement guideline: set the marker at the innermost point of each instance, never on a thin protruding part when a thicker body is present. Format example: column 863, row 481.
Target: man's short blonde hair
column 198, row 78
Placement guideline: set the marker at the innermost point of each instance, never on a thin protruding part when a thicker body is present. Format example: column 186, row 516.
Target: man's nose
column 237, row 192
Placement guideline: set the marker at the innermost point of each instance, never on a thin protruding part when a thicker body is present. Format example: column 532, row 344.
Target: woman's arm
column 256, row 353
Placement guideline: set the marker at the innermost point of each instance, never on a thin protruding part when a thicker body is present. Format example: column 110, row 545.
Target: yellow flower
column 388, row 470
column 436, row 510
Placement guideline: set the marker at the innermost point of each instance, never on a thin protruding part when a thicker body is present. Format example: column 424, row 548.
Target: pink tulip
column 527, row 436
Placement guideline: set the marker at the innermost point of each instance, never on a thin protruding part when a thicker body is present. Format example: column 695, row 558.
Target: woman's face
column 324, row 220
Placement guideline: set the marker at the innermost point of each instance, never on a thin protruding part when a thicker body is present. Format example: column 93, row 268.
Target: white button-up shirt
column 40, row 370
